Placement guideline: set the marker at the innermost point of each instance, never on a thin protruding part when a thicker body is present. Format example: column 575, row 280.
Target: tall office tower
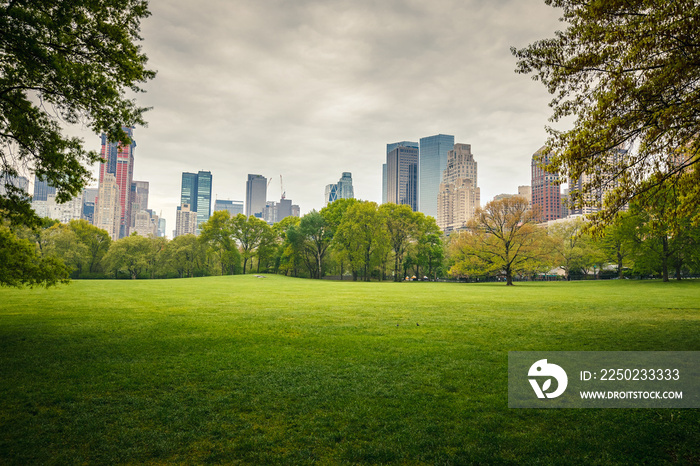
column 118, row 160
column 203, row 198
column 195, row 191
column 188, row 190
column 402, row 176
column 233, row 207
column 89, row 197
column 383, row 183
column 139, row 198
column 458, row 196
column 296, row 210
column 341, row 190
column 42, row 189
column 331, row 194
column 546, row 194
column 161, row 226
column 255, row 195
column 185, row 221
column 433, row 160
column 108, row 211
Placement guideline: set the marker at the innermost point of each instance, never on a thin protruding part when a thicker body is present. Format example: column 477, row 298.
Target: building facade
column 341, row 190
column 255, row 194
column 233, row 207
column 118, row 160
column 108, row 206
column 185, row 221
column 433, row 161
column 459, row 195
column 546, row 193
column 402, row 176
column 195, row 192
column 42, row 189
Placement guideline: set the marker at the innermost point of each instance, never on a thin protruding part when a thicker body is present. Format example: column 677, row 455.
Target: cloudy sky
column 308, row 89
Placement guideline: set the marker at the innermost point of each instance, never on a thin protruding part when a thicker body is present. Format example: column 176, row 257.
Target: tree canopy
column 628, row 73
column 65, row 63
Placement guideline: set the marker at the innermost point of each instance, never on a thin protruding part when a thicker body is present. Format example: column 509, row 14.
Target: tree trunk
column 619, row 264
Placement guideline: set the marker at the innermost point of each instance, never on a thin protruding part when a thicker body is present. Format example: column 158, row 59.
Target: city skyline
column 328, row 91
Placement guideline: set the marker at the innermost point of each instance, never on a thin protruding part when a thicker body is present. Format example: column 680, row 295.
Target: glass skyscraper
column 255, row 195
column 196, row 192
column 402, row 176
column 433, row 160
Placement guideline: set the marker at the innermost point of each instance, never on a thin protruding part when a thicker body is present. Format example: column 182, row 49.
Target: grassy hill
column 280, row 370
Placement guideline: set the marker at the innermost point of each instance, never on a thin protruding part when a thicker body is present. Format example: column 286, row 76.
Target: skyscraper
column 203, row 208
column 195, row 191
column 139, row 199
column 459, row 195
column 42, row 189
column 108, row 205
column 384, row 187
column 433, row 160
column 402, row 176
column 255, row 195
column 118, row 160
column 546, row 194
column 341, row 190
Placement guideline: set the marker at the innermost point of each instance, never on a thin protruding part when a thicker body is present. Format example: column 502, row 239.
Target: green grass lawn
column 291, row 371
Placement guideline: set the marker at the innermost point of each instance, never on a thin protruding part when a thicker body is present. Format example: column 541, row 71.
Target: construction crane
column 282, row 188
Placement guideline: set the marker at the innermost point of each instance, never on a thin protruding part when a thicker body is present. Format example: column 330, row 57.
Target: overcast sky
column 308, row 89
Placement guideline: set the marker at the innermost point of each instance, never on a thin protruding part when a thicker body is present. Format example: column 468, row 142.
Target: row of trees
column 648, row 239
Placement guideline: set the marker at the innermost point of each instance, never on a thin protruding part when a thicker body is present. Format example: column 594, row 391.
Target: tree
column 617, row 241
column 185, row 256
column 503, row 238
column 249, row 231
column 96, row 241
column 627, row 71
column 217, row 233
column 401, row 224
column 334, row 214
column 362, row 238
column 60, row 241
column 429, row 248
column 129, row 254
column 21, row 264
column 318, row 235
column 68, row 62
column 572, row 246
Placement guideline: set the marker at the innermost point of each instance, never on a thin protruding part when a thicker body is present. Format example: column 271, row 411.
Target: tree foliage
column 628, row 73
column 65, row 62
column 503, row 238
column 21, row 263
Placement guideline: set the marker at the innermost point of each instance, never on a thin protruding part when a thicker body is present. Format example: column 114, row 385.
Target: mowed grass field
column 290, row 371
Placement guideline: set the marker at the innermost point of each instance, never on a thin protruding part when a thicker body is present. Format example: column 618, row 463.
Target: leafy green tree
column 317, row 235
column 627, row 73
column 617, row 241
column 663, row 238
column 401, row 224
column 60, row 241
column 75, row 61
column 362, row 238
column 429, row 250
column 289, row 252
column 21, row 264
column 503, row 238
column 572, row 246
column 185, row 256
column 96, row 240
column 129, row 254
column 334, row 213
column 217, row 233
column 249, row 232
